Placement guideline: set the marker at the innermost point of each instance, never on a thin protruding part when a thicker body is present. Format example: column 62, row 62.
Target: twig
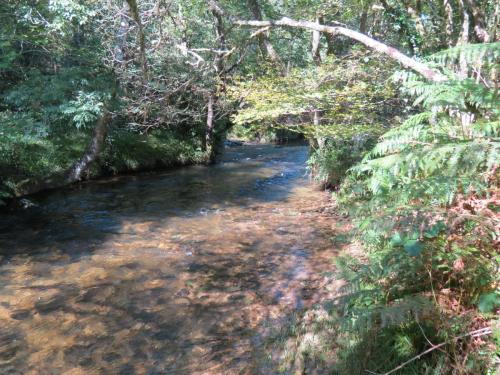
column 476, row 333
column 423, row 333
column 260, row 31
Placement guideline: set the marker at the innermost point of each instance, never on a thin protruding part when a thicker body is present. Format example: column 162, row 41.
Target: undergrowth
column 423, row 297
column 425, row 200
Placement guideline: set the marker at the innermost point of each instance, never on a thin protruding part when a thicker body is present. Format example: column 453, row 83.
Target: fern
column 407, row 193
column 426, row 162
column 486, row 52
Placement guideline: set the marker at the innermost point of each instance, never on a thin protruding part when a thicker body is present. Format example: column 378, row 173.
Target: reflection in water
column 173, row 273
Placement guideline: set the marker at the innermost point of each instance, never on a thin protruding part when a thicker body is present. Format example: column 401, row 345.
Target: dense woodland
column 398, row 100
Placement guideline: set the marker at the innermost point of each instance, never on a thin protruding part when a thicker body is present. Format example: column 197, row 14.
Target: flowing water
column 182, row 272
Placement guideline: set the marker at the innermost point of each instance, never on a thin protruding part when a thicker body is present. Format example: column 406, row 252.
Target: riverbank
column 132, row 155
column 38, row 167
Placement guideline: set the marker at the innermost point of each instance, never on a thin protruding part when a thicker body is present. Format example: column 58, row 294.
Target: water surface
column 182, row 272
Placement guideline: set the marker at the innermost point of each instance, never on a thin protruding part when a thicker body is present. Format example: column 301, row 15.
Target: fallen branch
column 476, row 333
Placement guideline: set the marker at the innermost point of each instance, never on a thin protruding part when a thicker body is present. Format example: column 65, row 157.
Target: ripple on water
column 183, row 272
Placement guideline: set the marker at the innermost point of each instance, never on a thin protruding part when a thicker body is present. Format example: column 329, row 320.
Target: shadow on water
column 93, row 211
column 172, row 273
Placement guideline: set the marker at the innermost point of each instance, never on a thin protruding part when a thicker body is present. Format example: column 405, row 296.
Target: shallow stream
column 181, row 272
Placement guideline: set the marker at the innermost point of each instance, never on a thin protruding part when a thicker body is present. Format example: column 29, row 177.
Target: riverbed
column 187, row 271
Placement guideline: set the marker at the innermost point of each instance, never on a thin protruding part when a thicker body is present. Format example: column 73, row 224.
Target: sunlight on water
column 182, row 272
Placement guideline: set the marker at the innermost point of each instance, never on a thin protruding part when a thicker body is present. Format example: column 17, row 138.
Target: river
column 181, row 272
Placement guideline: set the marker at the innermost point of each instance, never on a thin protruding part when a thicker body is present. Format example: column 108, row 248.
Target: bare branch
column 393, row 53
column 185, row 51
column 260, row 31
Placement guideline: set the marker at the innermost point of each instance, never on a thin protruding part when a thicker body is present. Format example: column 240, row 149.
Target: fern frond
column 487, row 52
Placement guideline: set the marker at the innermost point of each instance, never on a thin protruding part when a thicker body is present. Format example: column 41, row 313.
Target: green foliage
column 128, row 152
column 30, row 150
column 484, row 53
column 343, row 91
column 402, row 22
column 394, row 292
column 431, row 254
column 330, row 162
column 59, row 70
column 489, row 302
column 46, row 122
column 85, row 109
column 423, row 196
column 389, row 348
column 426, row 163
column 32, row 157
column 350, row 97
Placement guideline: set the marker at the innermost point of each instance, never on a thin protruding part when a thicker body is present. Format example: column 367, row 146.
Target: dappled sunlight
column 196, row 290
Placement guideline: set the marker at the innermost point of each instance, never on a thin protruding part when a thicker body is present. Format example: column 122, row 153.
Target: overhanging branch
column 371, row 43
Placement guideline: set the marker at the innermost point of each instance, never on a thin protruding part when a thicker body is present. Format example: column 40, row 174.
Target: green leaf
column 434, row 231
column 396, row 239
column 488, row 302
column 413, row 247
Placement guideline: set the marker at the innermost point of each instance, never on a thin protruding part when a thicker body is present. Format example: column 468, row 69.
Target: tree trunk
column 134, row 12
column 449, row 22
column 220, row 35
column 316, row 122
column 363, row 19
column 121, row 37
column 494, row 21
column 209, row 130
column 208, row 141
column 464, row 33
column 463, row 39
column 316, row 38
column 265, row 45
column 466, row 118
column 330, row 44
column 316, row 35
column 393, row 53
column 415, row 17
column 75, row 173
column 479, row 21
